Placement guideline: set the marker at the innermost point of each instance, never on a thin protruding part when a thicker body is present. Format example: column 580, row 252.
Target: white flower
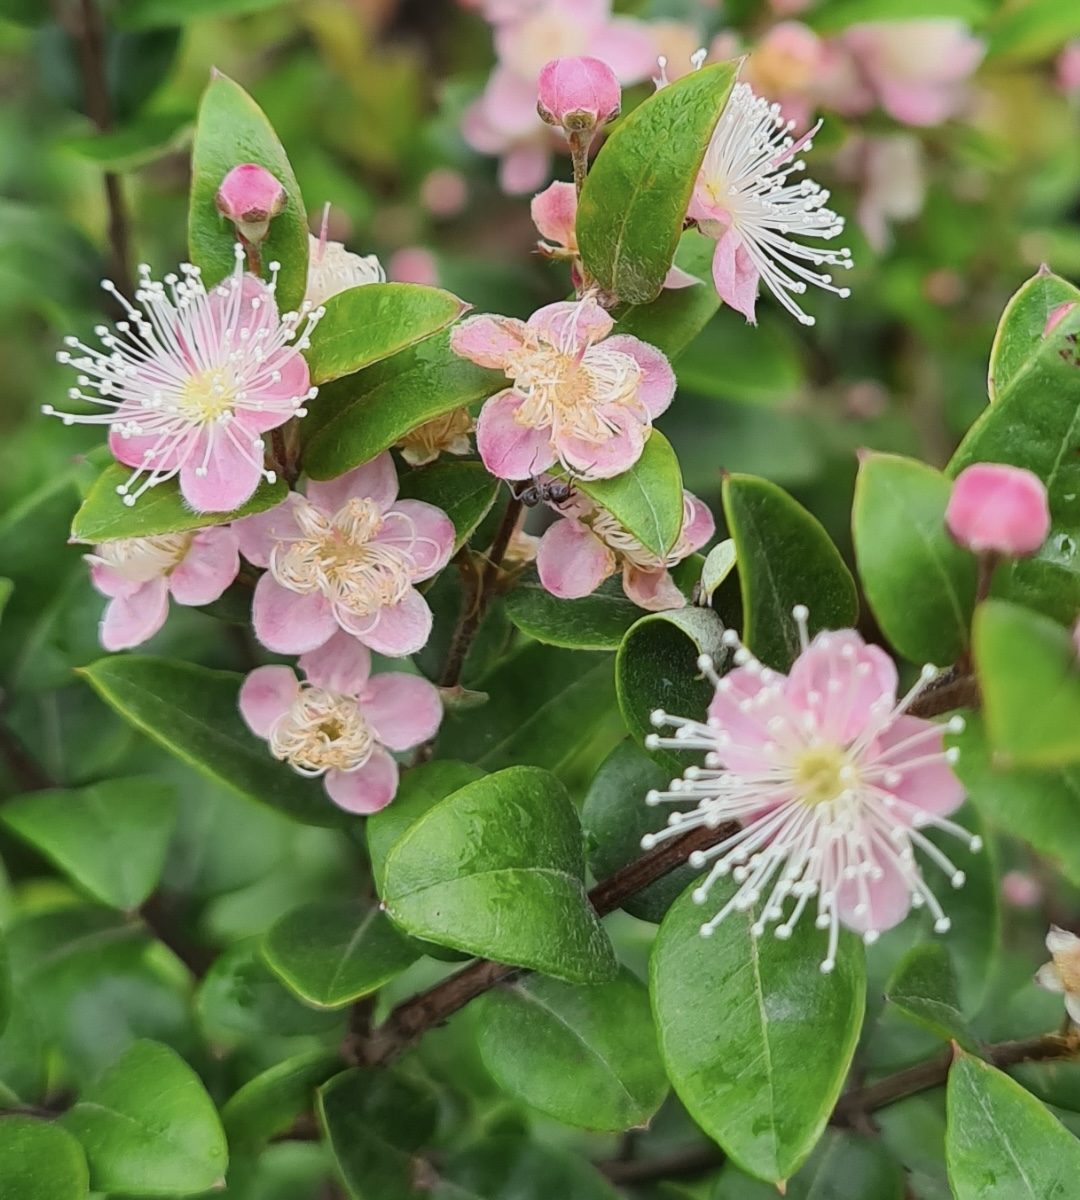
column 333, row 269
column 1062, row 974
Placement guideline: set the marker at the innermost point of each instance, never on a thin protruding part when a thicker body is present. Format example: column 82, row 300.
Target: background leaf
column 39, row 1161
column 596, row 622
column 923, row 988
column 269, row 1104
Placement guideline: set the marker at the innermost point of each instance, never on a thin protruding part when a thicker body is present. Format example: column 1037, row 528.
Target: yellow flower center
column 821, row 774
column 322, row 731
column 208, row 395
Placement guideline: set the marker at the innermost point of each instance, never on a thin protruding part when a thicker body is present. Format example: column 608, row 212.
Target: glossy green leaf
column 192, row 713
column 148, row 1126
column 463, row 490
column 359, row 417
column 630, row 216
column 719, row 564
column 496, row 869
column 111, row 838
column 596, row 622
column 923, row 988
column 332, row 952
column 1001, row 1143
column 40, row 1161
column 844, row 1166
column 1029, row 677
column 268, row 1104
column 757, row 1041
column 151, row 14
column 507, row 1167
column 584, row 1055
column 785, row 558
column 1032, row 32
column 231, row 129
column 103, row 515
column 835, row 15
column 366, row 324
column 919, row 584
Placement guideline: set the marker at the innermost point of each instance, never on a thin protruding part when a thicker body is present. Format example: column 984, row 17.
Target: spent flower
column 1062, row 973
column 333, row 269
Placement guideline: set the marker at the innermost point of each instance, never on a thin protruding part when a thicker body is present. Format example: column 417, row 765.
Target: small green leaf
column 496, row 869
column 111, row 838
column 463, row 490
column 836, row 15
column 39, row 1161
column 365, row 414
column 923, row 988
column 596, row 622
column 584, row 1055
column 508, row 1167
column 1032, row 32
column 1029, row 677
column 785, row 558
column 103, row 516
column 192, row 712
column 918, row 582
column 232, row 129
column 1001, row 1143
column 630, row 216
column 334, row 951
column 154, row 14
column 149, row 138
column 757, row 1041
column 844, row 1166
column 148, row 1125
column 268, row 1104
column 719, row 563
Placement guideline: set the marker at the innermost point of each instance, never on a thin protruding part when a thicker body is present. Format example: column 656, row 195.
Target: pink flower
column 892, row 175
column 578, row 93
column 784, row 67
column 579, row 397
column 831, row 782
column 414, row 264
column 504, row 122
column 340, row 722
column 579, row 551
column 1020, row 889
column 191, row 382
column 250, row 197
column 1062, row 973
column 346, row 556
column 444, row 192
column 140, row 574
column 1068, row 68
column 332, row 269
column 998, row 509
column 918, row 70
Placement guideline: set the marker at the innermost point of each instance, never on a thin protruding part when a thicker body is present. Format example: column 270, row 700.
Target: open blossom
column 192, row 381
column 333, row 269
column 891, row 172
column 998, row 509
column 346, row 555
column 831, row 784
column 448, row 434
column 747, row 198
column 140, row 574
column 784, row 67
column 503, row 121
column 341, row 721
column 578, row 397
column 586, row 545
column 1062, row 973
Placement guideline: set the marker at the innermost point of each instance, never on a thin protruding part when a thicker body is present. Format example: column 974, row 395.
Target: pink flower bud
column 1056, row 316
column 250, row 197
column 578, row 93
column 998, row 509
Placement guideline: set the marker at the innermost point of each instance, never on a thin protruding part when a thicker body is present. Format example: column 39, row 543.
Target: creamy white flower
column 1062, row 973
column 333, row 269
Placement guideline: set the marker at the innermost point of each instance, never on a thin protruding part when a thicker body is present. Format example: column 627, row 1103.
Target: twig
column 681, row 1164
column 955, row 689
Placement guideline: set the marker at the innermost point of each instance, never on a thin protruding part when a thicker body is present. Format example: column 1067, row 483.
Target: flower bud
column 250, row 197
column 998, row 509
column 578, row 93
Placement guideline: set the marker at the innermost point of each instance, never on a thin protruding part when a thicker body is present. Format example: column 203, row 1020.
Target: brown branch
column 951, row 691
column 681, row 1164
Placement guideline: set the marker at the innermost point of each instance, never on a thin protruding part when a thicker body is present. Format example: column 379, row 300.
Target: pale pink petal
column 510, row 104
column 524, row 167
column 131, row 620
column 838, row 679
column 511, row 450
column 657, row 387
column 402, row 710
column 747, row 728
column 396, row 630
column 678, row 278
column 366, row 790
column 287, row 622
column 210, row 565
column 1060, row 312
column 877, row 904
column 147, row 450
column 233, row 470
column 109, row 581
column 917, row 103
column 294, row 384
column 704, row 208
column 554, row 213
column 265, row 695
column 930, row 786
column 627, row 47
column 699, row 525
column 1061, row 941
column 487, row 341
column 735, row 276
column 258, row 534
column 342, row 664
column 572, row 561
column 654, row 590
column 424, row 531
column 603, row 460
column 573, row 325
column 375, row 480
column 479, row 133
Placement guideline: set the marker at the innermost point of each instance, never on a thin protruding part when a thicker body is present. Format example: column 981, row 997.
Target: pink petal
column 838, row 678
column 109, row 581
column 396, row 630
column 266, row 694
column 423, row 530
column 735, row 276
column 653, row 590
column 402, row 710
column 366, row 790
column 524, row 167
column 699, row 525
column 487, row 341
column 554, row 213
column 930, row 786
column 748, row 736
column 678, row 278
column 342, row 664
column 294, row 384
column 132, row 450
column 657, row 387
column 287, row 622
column 478, row 132
column 572, row 561
column 627, row 47
column 210, row 565
column 257, row 535
column 918, row 103
column 1000, row 508
column 232, row 471
column 603, row 460
column 131, row 620
column 884, row 902
column 375, row 480
column 509, row 103
column 511, row 450
column 573, row 325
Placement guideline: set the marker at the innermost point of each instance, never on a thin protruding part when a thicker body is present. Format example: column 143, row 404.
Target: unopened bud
column 250, row 197
column 578, row 93
column 998, row 509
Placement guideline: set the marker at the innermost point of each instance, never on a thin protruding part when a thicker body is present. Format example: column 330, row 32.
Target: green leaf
column 231, row 129
column 584, row 1055
column 463, row 490
column 923, row 988
column 149, row 138
column 6, row 588
column 148, row 1125
column 630, row 216
column 844, row 1166
column 836, row 15
column 719, row 563
column 1031, row 32
column 757, row 1041
column 1001, row 1143
column 509, row 1168
column 647, row 500
column 359, row 417
column 919, row 584
column 152, row 14
column 785, row 558
column 268, row 1104
column 366, row 324
column 747, row 364
column 596, row 622
column 496, row 869
column 192, row 712
column 103, row 515
column 1029, row 677
column 111, row 838
column 39, row 1161
column 332, row 952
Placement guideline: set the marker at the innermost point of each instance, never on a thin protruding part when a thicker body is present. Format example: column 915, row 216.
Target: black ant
column 538, row 491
